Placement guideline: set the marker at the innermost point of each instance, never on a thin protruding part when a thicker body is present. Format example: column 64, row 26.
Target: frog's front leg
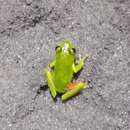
column 80, row 65
column 73, row 89
column 49, row 77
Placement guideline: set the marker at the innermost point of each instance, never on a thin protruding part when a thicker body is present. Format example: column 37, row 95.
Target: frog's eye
column 74, row 50
column 58, row 48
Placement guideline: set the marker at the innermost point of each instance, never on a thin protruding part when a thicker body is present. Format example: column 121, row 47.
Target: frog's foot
column 80, row 65
column 73, row 89
column 51, row 85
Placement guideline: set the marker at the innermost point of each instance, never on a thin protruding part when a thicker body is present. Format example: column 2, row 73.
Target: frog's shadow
column 76, row 75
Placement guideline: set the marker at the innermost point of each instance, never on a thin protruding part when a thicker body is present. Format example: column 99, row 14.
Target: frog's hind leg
column 49, row 77
column 73, row 89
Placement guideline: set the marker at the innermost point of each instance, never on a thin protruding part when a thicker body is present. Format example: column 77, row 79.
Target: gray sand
column 29, row 32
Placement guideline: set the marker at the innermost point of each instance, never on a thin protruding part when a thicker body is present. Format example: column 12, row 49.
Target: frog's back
column 63, row 72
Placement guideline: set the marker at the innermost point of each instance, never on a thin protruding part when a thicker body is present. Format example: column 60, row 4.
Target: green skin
column 59, row 73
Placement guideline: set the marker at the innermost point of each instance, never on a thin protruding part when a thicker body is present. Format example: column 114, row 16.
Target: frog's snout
column 65, row 48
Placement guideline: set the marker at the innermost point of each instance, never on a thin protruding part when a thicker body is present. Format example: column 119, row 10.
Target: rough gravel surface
column 29, row 32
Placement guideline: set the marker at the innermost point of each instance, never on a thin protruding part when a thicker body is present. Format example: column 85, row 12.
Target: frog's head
column 65, row 47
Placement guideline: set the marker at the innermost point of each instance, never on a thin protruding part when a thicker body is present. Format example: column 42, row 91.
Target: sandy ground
column 29, row 32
